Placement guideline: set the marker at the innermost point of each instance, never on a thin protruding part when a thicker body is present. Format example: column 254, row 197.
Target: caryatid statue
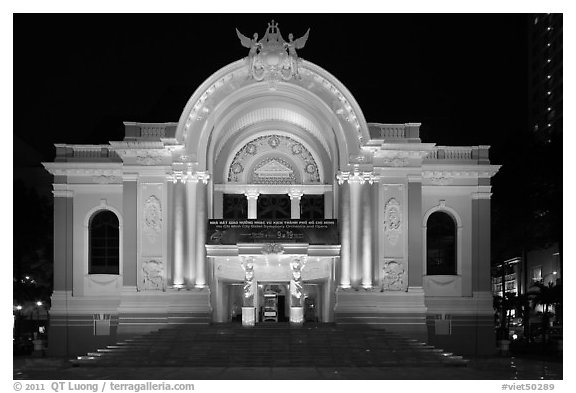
column 248, row 266
column 296, row 288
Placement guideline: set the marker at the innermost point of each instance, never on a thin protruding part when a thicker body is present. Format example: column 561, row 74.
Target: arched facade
column 272, row 128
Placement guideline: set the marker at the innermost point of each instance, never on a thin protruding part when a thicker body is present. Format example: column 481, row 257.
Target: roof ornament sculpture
column 272, row 58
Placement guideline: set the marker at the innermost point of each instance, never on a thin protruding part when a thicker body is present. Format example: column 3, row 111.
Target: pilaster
column 415, row 252
column 130, row 229
column 63, row 238
column 481, row 242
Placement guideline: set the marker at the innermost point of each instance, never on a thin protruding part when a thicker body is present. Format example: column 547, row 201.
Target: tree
column 546, row 295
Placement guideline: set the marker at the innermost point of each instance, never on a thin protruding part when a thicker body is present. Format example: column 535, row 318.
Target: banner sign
column 272, row 231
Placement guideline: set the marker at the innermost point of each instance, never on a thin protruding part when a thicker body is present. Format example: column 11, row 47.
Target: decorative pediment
column 274, row 168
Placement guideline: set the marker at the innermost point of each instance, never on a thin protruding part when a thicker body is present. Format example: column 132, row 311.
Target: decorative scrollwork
column 392, row 221
column 393, row 276
column 272, row 248
column 274, row 141
column 152, row 218
column 153, row 275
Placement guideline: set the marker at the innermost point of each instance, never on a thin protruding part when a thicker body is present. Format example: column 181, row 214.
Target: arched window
column 440, row 244
column 104, row 243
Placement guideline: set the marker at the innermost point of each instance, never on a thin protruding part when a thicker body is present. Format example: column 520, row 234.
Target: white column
column 201, row 217
column 344, row 223
column 295, row 196
column 355, row 229
column 252, row 197
column 367, row 236
column 179, row 242
column 191, row 186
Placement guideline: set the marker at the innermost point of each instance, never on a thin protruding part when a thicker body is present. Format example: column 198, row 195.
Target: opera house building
column 271, row 200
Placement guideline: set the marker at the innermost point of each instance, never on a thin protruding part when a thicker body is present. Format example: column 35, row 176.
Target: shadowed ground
column 278, row 351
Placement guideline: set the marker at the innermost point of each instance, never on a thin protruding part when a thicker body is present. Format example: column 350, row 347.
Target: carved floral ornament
column 273, row 170
column 272, row 248
column 392, row 221
column 153, row 275
column 393, row 276
column 152, row 218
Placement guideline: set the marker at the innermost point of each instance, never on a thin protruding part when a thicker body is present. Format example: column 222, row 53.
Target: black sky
column 77, row 77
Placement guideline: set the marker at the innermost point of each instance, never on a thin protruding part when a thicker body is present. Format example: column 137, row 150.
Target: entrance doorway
column 273, row 299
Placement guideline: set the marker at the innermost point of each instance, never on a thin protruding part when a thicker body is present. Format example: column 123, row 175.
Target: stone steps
column 270, row 345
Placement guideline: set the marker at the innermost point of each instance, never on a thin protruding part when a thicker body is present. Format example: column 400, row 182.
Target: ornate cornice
column 441, row 174
column 83, row 169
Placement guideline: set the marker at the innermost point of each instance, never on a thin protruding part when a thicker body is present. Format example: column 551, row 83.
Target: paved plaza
column 318, row 351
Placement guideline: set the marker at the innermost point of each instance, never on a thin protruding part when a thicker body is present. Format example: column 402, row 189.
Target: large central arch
column 315, row 105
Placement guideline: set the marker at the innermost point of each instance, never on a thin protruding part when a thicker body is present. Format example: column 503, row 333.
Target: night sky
column 464, row 77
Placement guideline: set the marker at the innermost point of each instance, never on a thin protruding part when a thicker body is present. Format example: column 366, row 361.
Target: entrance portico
column 257, row 265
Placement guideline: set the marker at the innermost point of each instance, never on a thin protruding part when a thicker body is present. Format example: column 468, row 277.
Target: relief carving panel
column 394, row 276
column 392, row 221
column 152, row 218
column 152, row 275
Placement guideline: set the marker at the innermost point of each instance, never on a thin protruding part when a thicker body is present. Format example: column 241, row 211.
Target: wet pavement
column 478, row 369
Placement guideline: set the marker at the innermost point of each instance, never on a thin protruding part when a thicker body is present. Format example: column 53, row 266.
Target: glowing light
column 18, row 307
column 548, row 45
column 549, row 93
column 38, row 303
column 549, row 76
column 549, row 60
column 554, row 272
column 514, row 336
column 549, row 109
column 549, row 28
column 27, row 277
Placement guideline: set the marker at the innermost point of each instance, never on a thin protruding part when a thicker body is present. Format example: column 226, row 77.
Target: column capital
column 356, row 176
column 189, row 176
column 252, row 194
column 295, row 194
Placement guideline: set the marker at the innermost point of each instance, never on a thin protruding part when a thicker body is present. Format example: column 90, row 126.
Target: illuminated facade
column 271, row 184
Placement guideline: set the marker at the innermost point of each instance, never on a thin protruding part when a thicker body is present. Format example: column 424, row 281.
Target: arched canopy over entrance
column 231, row 109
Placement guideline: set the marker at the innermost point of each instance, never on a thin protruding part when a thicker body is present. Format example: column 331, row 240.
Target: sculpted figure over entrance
column 248, row 266
column 272, row 58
